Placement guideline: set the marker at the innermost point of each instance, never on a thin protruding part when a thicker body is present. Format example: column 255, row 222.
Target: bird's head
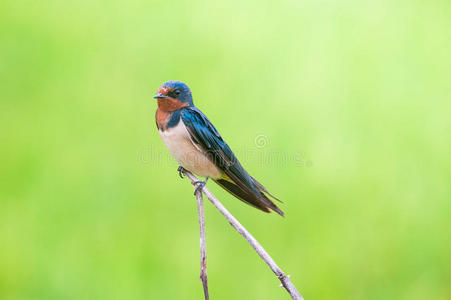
column 173, row 95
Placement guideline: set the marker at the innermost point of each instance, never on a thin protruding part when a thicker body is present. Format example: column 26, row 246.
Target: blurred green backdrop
column 341, row 108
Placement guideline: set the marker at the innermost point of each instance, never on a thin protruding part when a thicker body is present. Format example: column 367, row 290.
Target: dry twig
column 203, row 243
column 284, row 279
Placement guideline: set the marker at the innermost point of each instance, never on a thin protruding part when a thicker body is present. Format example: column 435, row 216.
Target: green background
column 340, row 108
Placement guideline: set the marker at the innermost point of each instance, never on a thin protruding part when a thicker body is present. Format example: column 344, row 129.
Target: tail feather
column 258, row 201
column 262, row 189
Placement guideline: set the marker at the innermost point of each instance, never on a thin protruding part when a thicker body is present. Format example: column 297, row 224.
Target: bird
column 198, row 147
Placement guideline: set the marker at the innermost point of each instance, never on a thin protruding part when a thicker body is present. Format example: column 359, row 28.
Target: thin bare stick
column 284, row 279
column 203, row 243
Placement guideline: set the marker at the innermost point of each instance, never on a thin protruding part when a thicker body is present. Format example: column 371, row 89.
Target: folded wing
column 235, row 180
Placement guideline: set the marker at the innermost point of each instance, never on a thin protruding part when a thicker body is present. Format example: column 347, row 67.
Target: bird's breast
column 178, row 141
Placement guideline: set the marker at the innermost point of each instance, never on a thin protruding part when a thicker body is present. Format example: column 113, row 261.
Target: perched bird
column 199, row 148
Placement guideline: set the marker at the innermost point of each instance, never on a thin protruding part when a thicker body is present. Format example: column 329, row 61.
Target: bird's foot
column 180, row 169
column 199, row 185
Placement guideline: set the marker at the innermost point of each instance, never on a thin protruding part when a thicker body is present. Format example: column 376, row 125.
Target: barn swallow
column 199, row 148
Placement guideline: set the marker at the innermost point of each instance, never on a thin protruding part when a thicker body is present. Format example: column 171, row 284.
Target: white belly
column 179, row 144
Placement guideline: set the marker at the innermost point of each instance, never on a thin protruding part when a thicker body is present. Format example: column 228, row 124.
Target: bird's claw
column 199, row 185
column 180, row 169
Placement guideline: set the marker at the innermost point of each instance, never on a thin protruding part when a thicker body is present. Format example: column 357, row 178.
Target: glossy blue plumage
column 185, row 96
column 174, row 119
column 206, row 135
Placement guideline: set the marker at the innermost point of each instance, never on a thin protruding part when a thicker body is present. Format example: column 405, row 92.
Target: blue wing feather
column 205, row 135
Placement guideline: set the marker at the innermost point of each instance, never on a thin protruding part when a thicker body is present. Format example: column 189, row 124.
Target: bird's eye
column 177, row 92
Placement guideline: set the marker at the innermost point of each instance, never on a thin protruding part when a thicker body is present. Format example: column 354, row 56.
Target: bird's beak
column 160, row 95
